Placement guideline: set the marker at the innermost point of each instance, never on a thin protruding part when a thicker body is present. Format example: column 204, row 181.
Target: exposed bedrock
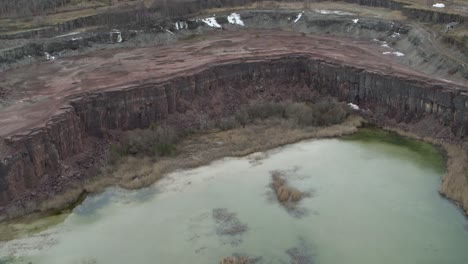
column 36, row 160
column 426, row 15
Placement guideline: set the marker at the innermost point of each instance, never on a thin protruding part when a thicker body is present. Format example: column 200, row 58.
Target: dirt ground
column 35, row 93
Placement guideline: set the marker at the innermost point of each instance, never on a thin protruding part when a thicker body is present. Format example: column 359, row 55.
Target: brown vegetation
column 238, row 260
column 234, row 260
column 200, row 149
column 323, row 111
column 160, row 141
column 188, row 150
column 286, row 195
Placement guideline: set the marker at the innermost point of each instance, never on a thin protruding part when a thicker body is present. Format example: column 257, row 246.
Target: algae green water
column 373, row 200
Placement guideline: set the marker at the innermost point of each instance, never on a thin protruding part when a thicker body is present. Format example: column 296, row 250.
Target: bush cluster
column 323, row 112
column 155, row 141
column 159, row 141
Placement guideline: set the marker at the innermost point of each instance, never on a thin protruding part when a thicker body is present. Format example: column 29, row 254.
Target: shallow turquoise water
column 374, row 200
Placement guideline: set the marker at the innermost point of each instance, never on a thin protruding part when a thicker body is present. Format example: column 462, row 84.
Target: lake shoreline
column 129, row 178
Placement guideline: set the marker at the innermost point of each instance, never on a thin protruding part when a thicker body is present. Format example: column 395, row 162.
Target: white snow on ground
column 385, row 44
column 298, row 17
column 211, row 21
column 333, row 12
column 355, row 20
column 119, row 35
column 48, row 56
column 438, row 5
column 235, row 19
column 68, row 34
column 179, row 25
column 396, row 53
column 395, row 35
column 353, row 106
column 167, row 30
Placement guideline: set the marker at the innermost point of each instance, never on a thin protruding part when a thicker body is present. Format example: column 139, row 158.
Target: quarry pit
column 60, row 118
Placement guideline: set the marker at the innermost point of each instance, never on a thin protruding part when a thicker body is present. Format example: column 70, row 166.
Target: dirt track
column 37, row 92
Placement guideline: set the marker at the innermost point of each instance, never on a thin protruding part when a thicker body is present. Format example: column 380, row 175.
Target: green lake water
column 373, row 200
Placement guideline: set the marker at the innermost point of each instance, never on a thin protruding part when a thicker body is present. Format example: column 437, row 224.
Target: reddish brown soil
column 36, row 92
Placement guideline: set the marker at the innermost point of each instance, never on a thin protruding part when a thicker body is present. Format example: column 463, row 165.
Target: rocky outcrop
column 433, row 16
column 418, row 13
column 35, row 160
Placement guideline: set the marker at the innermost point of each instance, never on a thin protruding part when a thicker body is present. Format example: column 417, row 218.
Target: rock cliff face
column 423, row 14
column 35, row 161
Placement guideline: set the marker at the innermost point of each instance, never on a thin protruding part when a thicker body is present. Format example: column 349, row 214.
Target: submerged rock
column 229, row 227
column 297, row 256
column 301, row 254
column 238, row 259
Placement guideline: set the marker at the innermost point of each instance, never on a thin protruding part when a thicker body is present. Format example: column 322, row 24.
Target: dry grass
column 235, row 260
column 201, row 149
column 455, row 182
column 285, row 194
column 197, row 150
column 194, row 151
column 28, row 226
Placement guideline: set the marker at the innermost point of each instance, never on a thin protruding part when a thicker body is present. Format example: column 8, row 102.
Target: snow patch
column 299, row 17
column 170, row 32
column 235, row 19
column 353, row 106
column 385, row 44
column 334, row 12
column 355, row 20
column 119, row 35
column 68, row 34
column 211, row 22
column 396, row 53
column 395, row 35
column 439, row 5
column 48, row 56
column 179, row 25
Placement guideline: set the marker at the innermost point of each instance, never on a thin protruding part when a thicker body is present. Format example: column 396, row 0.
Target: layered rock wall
column 36, row 159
